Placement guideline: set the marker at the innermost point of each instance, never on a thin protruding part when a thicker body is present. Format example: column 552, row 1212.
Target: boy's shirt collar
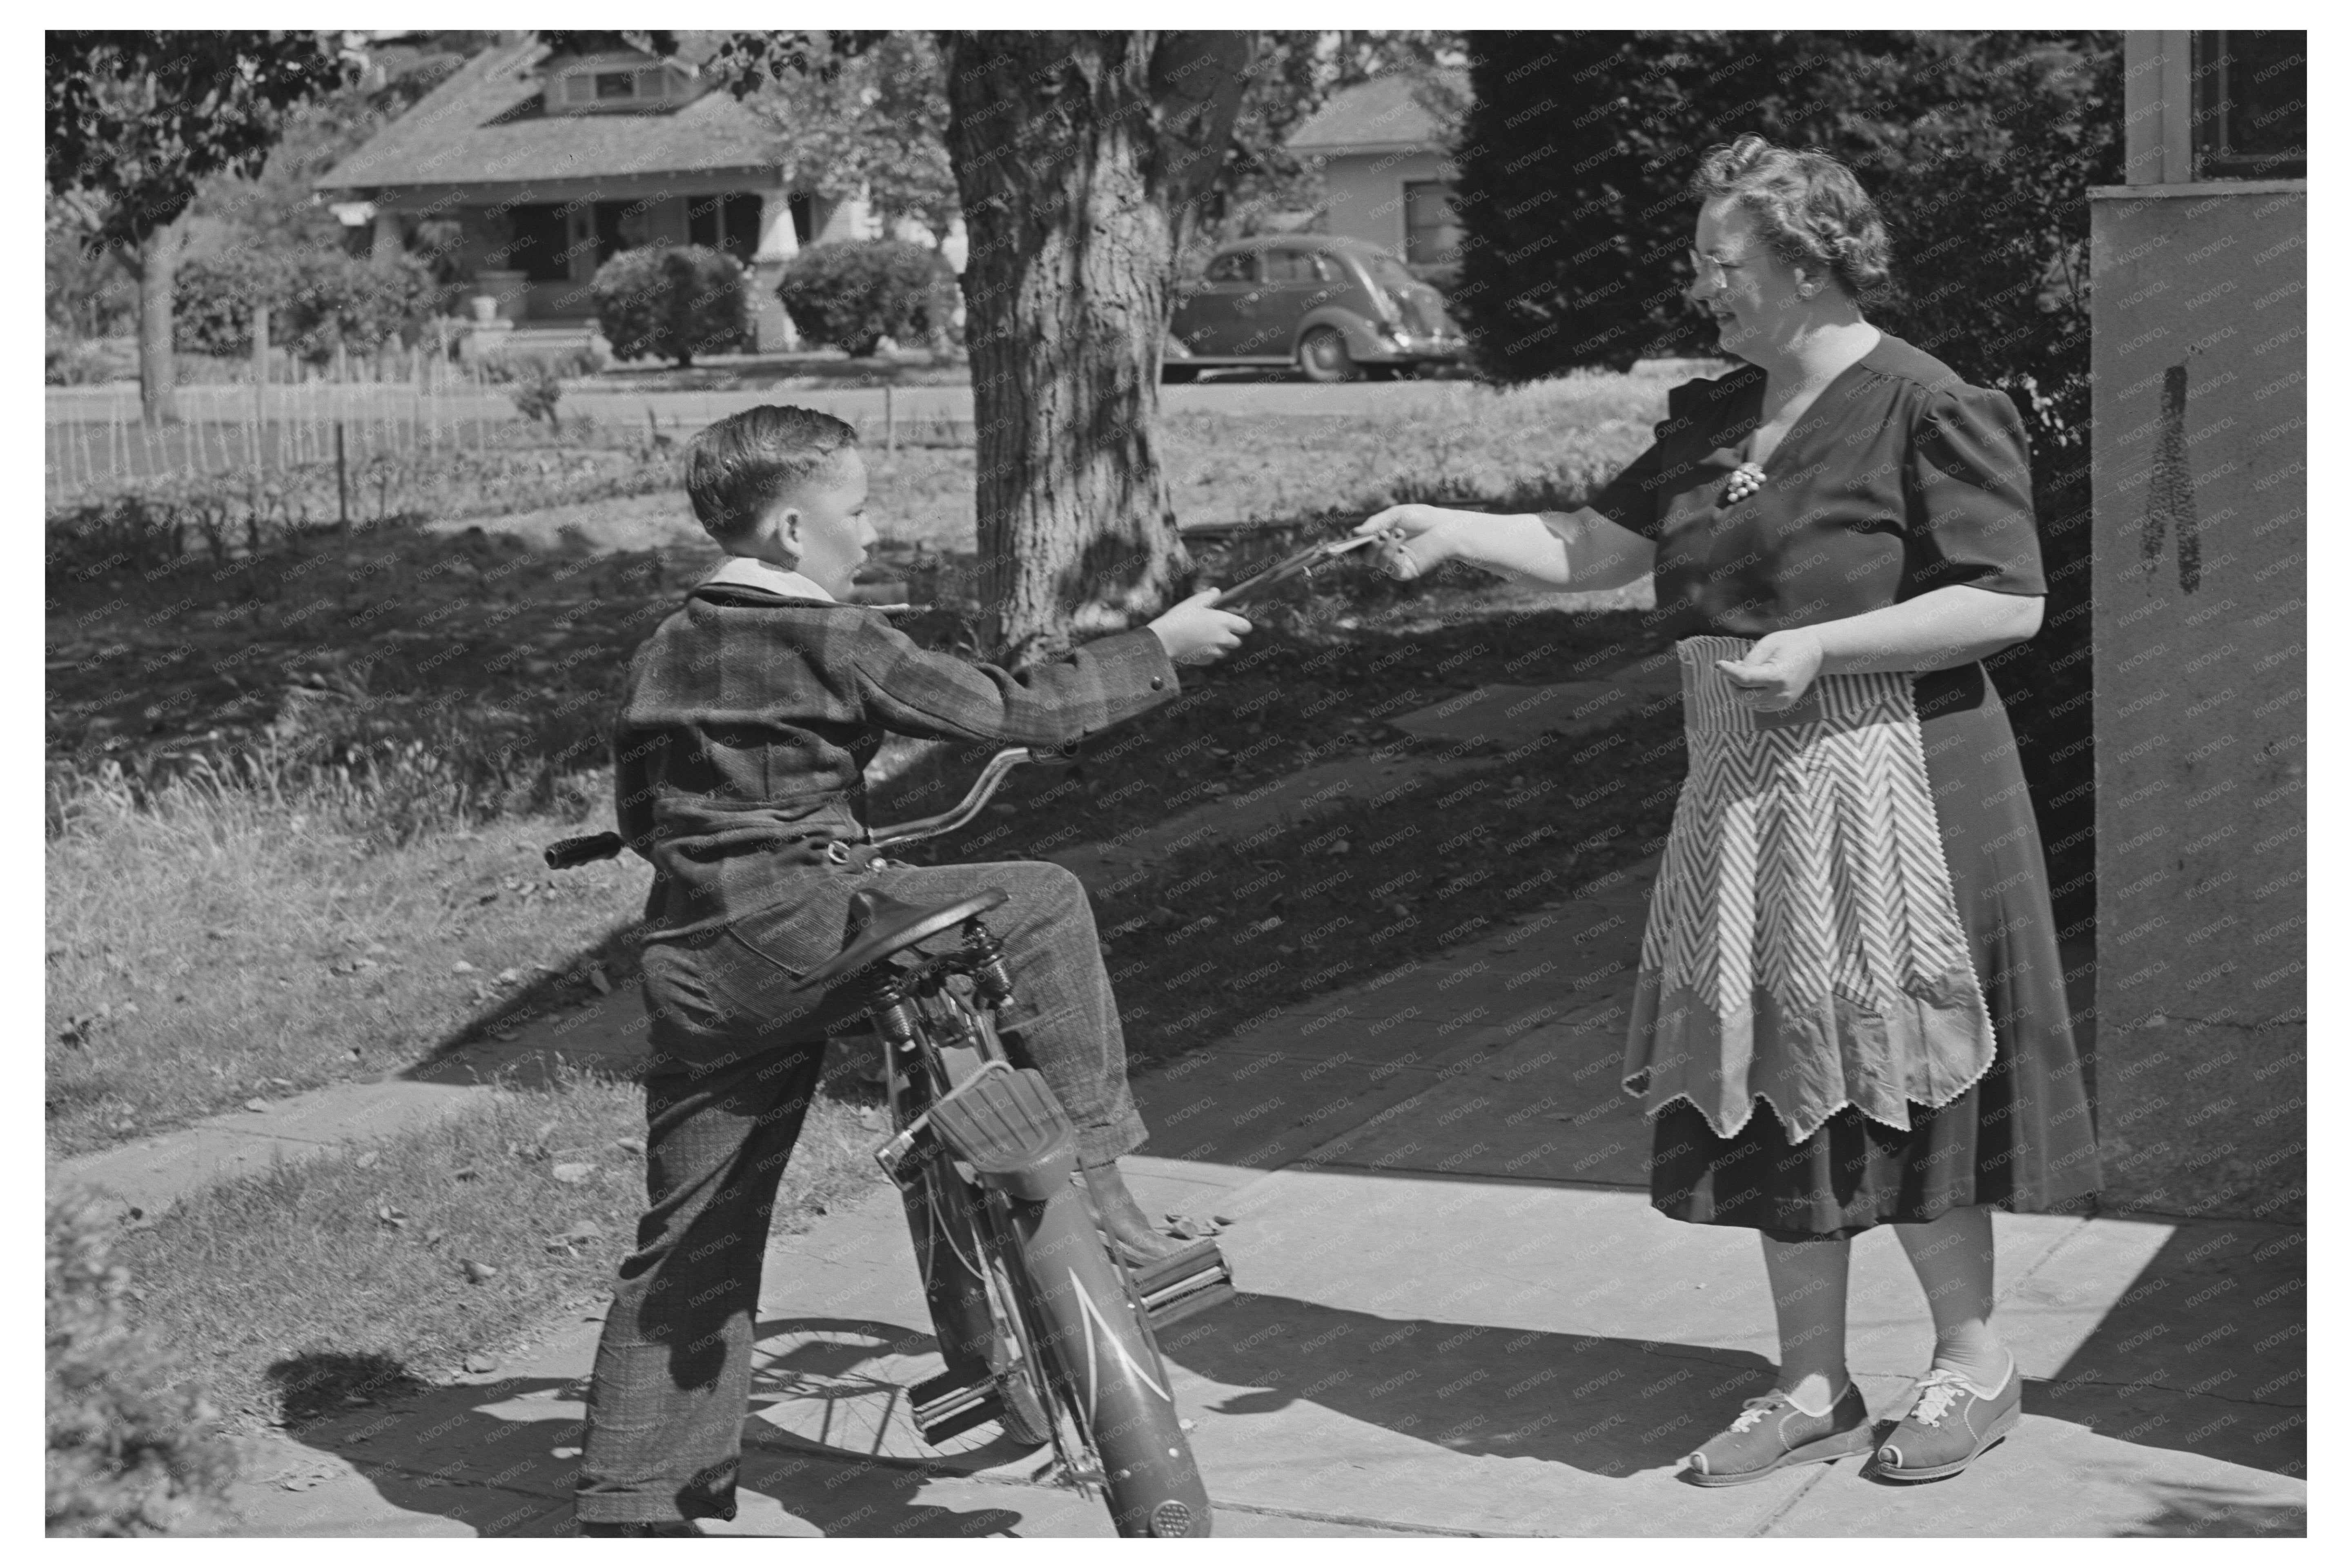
column 745, row 571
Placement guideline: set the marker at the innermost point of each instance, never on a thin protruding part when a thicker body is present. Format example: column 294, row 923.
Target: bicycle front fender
column 1099, row 1348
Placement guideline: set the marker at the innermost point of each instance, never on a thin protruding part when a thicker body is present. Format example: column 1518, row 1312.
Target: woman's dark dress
column 1900, row 478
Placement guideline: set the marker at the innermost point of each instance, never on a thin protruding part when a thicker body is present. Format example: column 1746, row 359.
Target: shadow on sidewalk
column 2203, row 1354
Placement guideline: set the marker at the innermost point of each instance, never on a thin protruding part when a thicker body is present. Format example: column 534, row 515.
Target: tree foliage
column 273, row 208
column 875, row 126
column 136, row 121
column 1979, row 148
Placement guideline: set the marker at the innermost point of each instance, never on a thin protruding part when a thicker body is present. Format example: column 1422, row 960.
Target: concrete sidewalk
column 1460, row 1317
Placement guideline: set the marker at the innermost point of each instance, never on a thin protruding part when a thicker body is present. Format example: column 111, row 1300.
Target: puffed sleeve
column 1631, row 499
column 1971, row 495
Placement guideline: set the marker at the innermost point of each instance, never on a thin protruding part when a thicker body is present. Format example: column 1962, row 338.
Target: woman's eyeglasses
column 1707, row 269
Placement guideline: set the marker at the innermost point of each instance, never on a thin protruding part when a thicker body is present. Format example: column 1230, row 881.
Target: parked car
column 1334, row 307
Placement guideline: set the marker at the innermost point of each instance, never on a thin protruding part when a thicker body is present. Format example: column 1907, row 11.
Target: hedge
column 672, row 303
column 851, row 294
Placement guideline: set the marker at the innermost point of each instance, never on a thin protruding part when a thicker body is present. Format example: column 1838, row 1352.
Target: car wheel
column 1323, row 355
column 1177, row 375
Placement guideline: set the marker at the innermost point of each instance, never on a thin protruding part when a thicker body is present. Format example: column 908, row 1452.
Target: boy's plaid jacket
column 747, row 719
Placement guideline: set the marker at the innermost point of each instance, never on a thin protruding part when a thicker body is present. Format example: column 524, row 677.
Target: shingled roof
column 483, row 125
column 1382, row 115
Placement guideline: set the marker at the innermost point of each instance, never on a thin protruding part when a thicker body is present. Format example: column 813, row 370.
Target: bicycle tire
column 943, row 1219
column 1103, row 1362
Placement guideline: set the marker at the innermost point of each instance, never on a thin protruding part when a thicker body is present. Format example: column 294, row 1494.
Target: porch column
column 777, row 245
column 384, row 246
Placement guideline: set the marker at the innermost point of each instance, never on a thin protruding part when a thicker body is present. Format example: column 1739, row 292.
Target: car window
column 1386, row 270
column 1289, row 267
column 1234, row 267
column 1326, row 270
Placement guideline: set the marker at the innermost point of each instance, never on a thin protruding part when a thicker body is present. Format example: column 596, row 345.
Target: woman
column 1850, row 1011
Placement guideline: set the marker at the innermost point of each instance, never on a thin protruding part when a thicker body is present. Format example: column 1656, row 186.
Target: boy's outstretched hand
column 1192, row 633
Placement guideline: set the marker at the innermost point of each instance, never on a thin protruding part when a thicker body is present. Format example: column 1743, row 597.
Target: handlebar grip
column 566, row 853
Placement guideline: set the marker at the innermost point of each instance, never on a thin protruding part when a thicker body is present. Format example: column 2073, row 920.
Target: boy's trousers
column 736, row 1056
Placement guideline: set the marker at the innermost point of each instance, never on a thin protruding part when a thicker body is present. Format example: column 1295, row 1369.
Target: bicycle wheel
column 971, row 1300
column 1097, row 1350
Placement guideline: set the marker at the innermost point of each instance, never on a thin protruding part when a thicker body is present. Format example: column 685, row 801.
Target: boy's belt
column 805, row 839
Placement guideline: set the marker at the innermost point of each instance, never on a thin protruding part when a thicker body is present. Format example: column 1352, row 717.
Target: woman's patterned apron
column 1803, row 944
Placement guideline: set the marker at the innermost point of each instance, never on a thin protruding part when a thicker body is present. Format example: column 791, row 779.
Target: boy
column 745, row 726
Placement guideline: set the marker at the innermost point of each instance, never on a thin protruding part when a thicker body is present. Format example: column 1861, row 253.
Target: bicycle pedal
column 955, row 1402
column 1187, row 1283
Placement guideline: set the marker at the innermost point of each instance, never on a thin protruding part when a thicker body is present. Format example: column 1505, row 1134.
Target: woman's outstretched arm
column 1579, row 550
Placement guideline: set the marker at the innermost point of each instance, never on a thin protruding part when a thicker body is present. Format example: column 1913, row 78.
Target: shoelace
column 1754, row 1410
column 1937, row 1390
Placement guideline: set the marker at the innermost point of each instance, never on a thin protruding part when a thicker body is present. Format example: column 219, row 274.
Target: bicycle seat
column 885, row 925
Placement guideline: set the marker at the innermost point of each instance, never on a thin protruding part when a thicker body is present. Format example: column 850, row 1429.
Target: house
column 548, row 164
column 1381, row 149
column 2198, row 308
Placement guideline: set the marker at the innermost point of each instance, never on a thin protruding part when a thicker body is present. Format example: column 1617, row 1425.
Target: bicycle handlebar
column 567, row 853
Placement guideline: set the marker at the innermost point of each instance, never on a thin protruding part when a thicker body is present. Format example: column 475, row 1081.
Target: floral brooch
column 1744, row 482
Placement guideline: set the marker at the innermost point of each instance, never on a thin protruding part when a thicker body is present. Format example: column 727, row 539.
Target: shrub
column 213, row 298
column 333, row 299
column 85, row 362
column 501, row 366
column 318, row 300
column 128, row 1452
column 673, row 302
column 851, row 294
column 536, row 394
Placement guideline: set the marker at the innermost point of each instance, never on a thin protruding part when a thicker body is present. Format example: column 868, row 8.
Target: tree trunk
column 1076, row 155
column 158, row 257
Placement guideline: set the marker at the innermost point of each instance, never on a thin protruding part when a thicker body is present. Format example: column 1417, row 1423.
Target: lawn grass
column 341, row 1280
column 216, row 948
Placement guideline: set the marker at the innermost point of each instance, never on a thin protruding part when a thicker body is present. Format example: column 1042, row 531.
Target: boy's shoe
column 636, row 1529
column 1121, row 1219
column 1950, row 1425
column 1771, row 1433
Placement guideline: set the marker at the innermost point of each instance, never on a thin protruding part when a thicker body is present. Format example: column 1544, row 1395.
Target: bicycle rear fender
column 1006, row 1124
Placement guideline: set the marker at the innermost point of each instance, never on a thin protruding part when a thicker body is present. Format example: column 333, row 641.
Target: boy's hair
column 739, row 468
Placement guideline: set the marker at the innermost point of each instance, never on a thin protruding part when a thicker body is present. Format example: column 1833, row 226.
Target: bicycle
column 1043, row 1329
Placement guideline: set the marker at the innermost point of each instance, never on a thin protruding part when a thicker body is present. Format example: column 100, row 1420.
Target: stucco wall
column 1364, row 194
column 2198, row 659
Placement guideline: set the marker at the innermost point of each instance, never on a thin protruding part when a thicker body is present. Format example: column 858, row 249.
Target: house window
column 1431, row 235
column 616, row 85
column 729, row 223
column 2249, row 121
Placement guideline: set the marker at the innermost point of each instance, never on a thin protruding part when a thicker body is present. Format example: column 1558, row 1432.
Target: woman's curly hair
column 1808, row 207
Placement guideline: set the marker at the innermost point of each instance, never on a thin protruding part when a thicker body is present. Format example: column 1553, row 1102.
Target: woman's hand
column 1415, row 539
column 1777, row 672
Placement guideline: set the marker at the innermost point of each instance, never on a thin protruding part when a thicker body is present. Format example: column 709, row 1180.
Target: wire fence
column 95, row 441
column 403, row 403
